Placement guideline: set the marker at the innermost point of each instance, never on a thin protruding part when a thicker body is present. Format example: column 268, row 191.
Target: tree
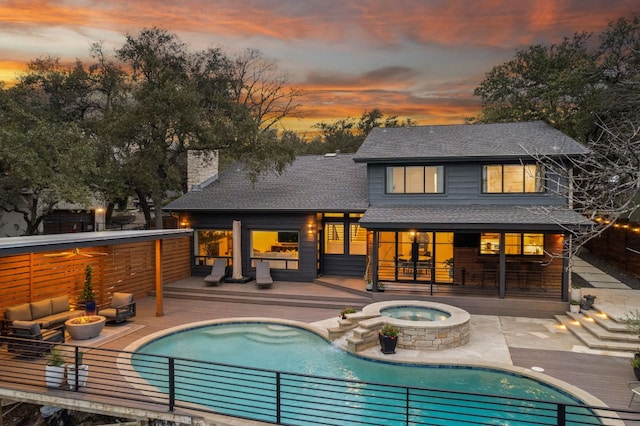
column 557, row 84
column 180, row 100
column 43, row 161
column 347, row 134
column 603, row 185
column 591, row 94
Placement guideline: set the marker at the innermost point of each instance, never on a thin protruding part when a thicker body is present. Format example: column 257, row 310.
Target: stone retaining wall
column 430, row 339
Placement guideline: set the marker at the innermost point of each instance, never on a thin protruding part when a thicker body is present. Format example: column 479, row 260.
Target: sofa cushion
column 25, row 328
column 59, row 304
column 40, row 309
column 121, row 299
column 21, row 312
column 53, row 321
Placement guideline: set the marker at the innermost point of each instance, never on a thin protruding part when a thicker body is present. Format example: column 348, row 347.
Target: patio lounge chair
column 28, row 339
column 263, row 275
column 122, row 308
column 218, row 271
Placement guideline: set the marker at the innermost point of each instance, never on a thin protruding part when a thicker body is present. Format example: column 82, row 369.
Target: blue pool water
column 295, row 350
column 415, row 313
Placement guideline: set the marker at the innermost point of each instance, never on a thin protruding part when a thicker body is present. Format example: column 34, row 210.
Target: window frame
column 494, row 249
column 403, row 179
column 535, row 182
column 275, row 258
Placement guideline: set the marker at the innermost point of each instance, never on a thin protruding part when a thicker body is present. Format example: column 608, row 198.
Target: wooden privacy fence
column 128, row 267
column 619, row 245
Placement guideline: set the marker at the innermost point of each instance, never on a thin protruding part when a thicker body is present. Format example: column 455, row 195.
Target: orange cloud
column 354, row 49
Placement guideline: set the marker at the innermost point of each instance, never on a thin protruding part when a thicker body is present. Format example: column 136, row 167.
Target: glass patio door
column 414, row 256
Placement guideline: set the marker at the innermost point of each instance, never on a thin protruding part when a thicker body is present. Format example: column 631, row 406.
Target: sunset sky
column 412, row 58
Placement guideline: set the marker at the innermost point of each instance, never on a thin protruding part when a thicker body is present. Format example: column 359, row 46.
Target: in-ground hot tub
column 425, row 326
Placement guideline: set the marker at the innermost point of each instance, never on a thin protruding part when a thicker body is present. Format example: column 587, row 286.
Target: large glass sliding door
column 413, row 256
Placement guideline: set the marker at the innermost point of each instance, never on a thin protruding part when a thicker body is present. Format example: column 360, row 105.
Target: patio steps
column 600, row 332
column 265, row 297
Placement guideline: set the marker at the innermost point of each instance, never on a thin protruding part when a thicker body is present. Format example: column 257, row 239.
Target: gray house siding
column 353, row 266
column 264, row 221
column 462, row 185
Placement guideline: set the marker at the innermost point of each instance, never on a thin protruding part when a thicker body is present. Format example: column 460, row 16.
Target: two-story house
column 465, row 208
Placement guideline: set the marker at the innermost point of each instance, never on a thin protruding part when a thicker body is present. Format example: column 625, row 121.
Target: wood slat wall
column 121, row 268
column 175, row 264
column 619, row 246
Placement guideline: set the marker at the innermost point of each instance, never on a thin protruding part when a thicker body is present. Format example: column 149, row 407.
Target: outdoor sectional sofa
column 48, row 313
column 38, row 321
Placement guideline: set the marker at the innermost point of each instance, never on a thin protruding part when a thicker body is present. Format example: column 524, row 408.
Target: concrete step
column 238, row 297
column 236, row 290
column 608, row 322
column 583, row 330
column 588, row 322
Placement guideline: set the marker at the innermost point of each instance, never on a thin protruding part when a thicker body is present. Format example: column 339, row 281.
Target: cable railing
column 167, row 384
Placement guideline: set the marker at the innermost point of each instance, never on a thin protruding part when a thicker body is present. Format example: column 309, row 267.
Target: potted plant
column 380, row 286
column 449, row 264
column 574, row 306
column 635, row 364
column 587, row 302
column 576, row 292
column 83, row 372
column 345, row 311
column 388, row 337
column 369, row 285
column 632, row 320
column 54, row 370
column 88, row 297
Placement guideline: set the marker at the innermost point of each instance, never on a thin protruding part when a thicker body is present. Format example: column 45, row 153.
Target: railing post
column 172, row 384
column 562, row 415
column 406, row 408
column 76, row 379
column 277, row 397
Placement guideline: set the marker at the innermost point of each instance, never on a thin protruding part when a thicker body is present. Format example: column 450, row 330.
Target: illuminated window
column 515, row 243
column 415, row 180
column 334, row 238
column 211, row 244
column 280, row 248
column 512, row 178
column 357, row 239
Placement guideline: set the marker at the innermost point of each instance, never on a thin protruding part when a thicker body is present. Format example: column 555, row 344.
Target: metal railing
column 169, row 383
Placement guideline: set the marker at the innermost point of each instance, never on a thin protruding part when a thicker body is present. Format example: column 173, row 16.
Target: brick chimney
column 202, row 169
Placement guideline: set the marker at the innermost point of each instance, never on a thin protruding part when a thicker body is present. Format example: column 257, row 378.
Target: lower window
column 280, row 248
column 212, row 244
column 527, row 244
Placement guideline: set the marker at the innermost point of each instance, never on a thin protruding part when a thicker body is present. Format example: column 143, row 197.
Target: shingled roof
column 311, row 183
column 453, row 217
column 466, row 142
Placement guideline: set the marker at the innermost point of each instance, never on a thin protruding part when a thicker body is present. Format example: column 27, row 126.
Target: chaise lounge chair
column 263, row 275
column 218, row 271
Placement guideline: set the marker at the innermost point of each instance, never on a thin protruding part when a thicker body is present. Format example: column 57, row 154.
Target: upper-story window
column 415, row 180
column 512, row 178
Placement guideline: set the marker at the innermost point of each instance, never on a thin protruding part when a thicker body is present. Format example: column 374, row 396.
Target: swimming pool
column 285, row 347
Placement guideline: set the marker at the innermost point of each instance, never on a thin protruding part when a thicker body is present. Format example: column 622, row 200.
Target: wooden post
column 31, row 262
column 159, row 304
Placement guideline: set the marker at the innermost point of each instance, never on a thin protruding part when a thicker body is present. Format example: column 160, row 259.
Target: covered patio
column 489, row 249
